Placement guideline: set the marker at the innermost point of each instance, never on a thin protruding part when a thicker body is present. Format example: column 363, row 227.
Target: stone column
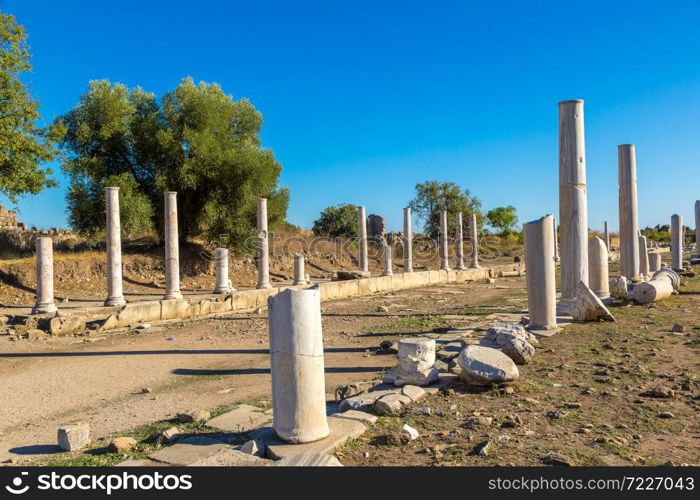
column 223, row 284
column 474, row 240
column 573, row 202
column 459, row 242
column 362, row 234
column 407, row 241
column 607, row 235
column 172, row 249
column 629, row 227
column 263, row 246
column 598, row 277
column 44, row 276
column 677, row 242
column 661, row 285
column 387, row 260
column 643, row 256
column 299, row 270
column 541, row 284
column 654, row 262
column 442, row 242
column 296, row 351
column 115, row 295
column 556, row 239
column 697, row 227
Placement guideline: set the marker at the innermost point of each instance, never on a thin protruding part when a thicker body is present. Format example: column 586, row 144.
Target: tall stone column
column 407, row 241
column 607, row 235
column 263, row 246
column 442, row 242
column 115, row 295
column 643, row 256
column 697, row 227
column 362, row 233
column 629, row 227
column 598, row 276
column 172, row 248
column 556, row 239
column 44, row 276
column 573, row 202
column 677, row 242
column 459, row 242
column 654, row 262
column 388, row 271
column 223, row 284
column 541, row 284
column 474, row 240
column 299, row 269
column 296, row 351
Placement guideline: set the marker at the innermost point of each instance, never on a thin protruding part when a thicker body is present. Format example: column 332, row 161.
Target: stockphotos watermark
column 101, row 483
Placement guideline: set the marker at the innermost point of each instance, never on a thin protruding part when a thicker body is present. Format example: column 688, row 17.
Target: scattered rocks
column 383, row 309
column 121, row 444
column 678, row 328
column 73, row 437
column 573, row 406
column 412, row 433
column 391, row 403
column 519, row 351
column 349, row 390
column 482, row 449
column 511, row 421
column 413, row 392
column 196, row 416
column 477, row 421
column 146, row 390
column 502, row 332
column 666, row 414
column 486, row 366
column 553, row 458
column 556, row 414
column 253, row 447
column 169, row 435
column 659, row 392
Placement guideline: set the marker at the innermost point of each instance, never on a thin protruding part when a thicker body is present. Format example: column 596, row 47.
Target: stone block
column 190, row 450
column 65, row 325
column 74, row 436
column 308, row 460
column 243, row 418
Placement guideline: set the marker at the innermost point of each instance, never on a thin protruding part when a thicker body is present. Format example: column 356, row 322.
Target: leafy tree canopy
column 24, row 147
column 339, row 221
column 432, row 197
column 504, row 219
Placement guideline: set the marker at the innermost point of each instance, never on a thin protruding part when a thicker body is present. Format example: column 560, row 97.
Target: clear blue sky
column 363, row 99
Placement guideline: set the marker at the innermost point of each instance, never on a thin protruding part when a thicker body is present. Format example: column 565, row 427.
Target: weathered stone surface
column 587, row 306
column 416, row 359
column 253, row 447
column 360, row 416
column 503, row 332
column 64, row 325
column 121, row 444
column 308, row 460
column 445, row 380
column 365, row 401
column 391, row 403
column 414, row 392
column 619, row 288
column 354, row 389
column 194, row 416
column 73, row 437
column 352, row 275
column 519, row 351
column 243, row 418
column 190, row 450
column 228, row 457
column 485, row 366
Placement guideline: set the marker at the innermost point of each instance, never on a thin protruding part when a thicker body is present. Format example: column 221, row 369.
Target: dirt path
column 99, row 380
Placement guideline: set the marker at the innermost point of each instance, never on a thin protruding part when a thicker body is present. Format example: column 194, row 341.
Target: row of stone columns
column 628, row 207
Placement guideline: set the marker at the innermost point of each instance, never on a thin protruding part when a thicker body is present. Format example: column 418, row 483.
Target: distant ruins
column 8, row 219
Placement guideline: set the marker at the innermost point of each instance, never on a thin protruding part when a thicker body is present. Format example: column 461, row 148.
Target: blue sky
column 363, row 99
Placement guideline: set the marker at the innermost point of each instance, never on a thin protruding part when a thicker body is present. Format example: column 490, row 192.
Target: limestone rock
column 253, row 447
column 502, row 332
column 194, row 416
column 352, row 275
column 359, row 416
column 228, row 457
column 485, row 366
column 519, row 351
column 416, row 359
column 619, row 288
column 412, row 433
column 391, row 403
column 73, row 437
column 308, row 460
column 354, row 389
column 121, row 444
column 413, row 392
column 363, row 402
column 587, row 306
column 169, row 434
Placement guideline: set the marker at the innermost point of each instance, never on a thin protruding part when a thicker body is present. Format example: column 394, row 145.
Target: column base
column 460, row 268
column 387, row 274
column 265, row 286
column 477, row 266
column 172, row 295
column 445, row 268
column 299, row 283
column 564, row 306
column 44, row 308
column 223, row 290
column 115, row 301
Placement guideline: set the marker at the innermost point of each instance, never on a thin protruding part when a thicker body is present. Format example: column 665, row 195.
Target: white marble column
column 388, row 271
column 654, row 262
column 115, row 295
column 172, row 248
column 598, row 276
column 223, row 284
column 607, row 235
column 362, row 234
column 296, row 351
column 442, row 242
column 556, row 239
column 643, row 256
column 44, row 276
column 407, row 241
column 263, row 246
column 697, row 227
column 677, row 242
column 541, row 284
column 629, row 227
column 474, row 240
column 573, row 202
column 459, row 242
column 299, row 269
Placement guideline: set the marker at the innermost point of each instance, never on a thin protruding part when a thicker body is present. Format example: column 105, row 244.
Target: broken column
column 573, row 203
column 661, row 286
column 115, row 295
column 459, row 242
column 598, row 278
column 223, row 284
column 541, row 284
column 587, row 306
column 474, row 240
column 387, row 261
column 607, row 235
column 44, row 276
column 362, row 234
column 299, row 271
column 407, row 241
column 416, row 357
column 296, row 352
column 677, row 242
column 172, row 250
column 263, row 246
column 442, row 242
column 629, row 226
column 654, row 262
column 643, row 256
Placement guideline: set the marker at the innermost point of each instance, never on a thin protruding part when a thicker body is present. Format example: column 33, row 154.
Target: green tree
column 432, row 197
column 338, row 221
column 504, row 219
column 24, row 147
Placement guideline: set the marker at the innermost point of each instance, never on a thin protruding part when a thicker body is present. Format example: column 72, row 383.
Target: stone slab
column 445, row 381
column 360, row 416
column 229, row 457
column 243, row 418
column 189, row 450
column 308, row 460
column 341, row 430
column 141, row 462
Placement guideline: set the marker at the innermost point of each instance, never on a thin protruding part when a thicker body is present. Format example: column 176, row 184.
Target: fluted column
column 362, row 233
column 677, row 242
column 115, row 295
column 541, row 284
column 407, row 241
column 629, row 227
column 44, row 276
column 474, row 240
column 459, row 242
column 263, row 246
column 172, row 249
